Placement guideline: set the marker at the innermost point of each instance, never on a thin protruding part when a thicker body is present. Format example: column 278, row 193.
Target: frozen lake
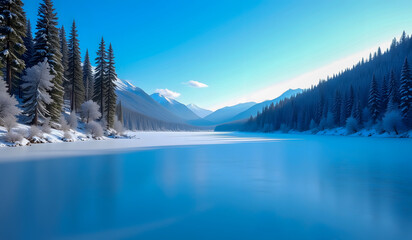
column 253, row 186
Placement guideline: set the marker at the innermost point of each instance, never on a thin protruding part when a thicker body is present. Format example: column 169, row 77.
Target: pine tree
column 88, row 78
column 384, row 95
column 29, row 44
column 337, row 108
column 374, row 100
column 99, row 77
column 36, row 84
column 12, row 32
column 350, row 101
column 64, row 49
column 356, row 113
column 28, row 54
column 393, row 89
column 343, row 115
column 405, row 91
column 110, row 86
column 74, row 71
column 47, row 46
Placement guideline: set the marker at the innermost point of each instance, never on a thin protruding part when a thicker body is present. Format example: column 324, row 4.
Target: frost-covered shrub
column 67, row 136
column 64, row 126
column 9, row 122
column 118, row 127
column 46, row 126
column 90, row 111
column 72, row 120
column 95, row 129
column 22, row 131
column 13, row 137
column 103, row 123
column 352, row 125
column 35, row 132
column 284, row 128
column 8, row 105
column 392, row 122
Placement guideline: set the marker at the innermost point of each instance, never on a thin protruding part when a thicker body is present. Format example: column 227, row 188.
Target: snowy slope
column 258, row 107
column 227, row 113
column 175, row 107
column 135, row 99
column 201, row 112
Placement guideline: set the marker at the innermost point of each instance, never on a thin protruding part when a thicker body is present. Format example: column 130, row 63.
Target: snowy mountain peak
column 201, row 112
column 123, row 85
column 160, row 98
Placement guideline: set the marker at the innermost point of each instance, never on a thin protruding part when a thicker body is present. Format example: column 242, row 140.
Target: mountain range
column 252, row 111
column 175, row 107
column 155, row 112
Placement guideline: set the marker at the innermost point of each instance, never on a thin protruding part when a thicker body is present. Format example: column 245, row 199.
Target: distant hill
column 201, row 112
column 259, row 106
column 175, row 107
column 227, row 113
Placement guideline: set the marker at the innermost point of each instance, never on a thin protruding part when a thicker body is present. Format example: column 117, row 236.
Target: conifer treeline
column 50, row 50
column 374, row 94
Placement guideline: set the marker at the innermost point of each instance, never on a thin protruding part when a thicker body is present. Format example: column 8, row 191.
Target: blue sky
column 243, row 50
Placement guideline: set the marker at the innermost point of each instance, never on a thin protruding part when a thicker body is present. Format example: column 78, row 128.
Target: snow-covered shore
column 341, row 131
column 135, row 141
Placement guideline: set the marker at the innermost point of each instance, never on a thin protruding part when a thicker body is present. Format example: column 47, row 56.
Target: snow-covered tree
column 99, row 89
column 72, row 121
column 12, row 32
column 8, row 105
column 47, row 46
column 75, row 74
column 384, row 95
column 392, row 121
column 110, row 86
column 88, row 78
column 406, row 91
column 352, row 125
column 36, row 84
column 118, row 126
column 90, row 111
column 64, row 126
column 374, row 101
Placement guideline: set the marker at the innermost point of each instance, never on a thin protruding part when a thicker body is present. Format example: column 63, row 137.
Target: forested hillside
column 375, row 93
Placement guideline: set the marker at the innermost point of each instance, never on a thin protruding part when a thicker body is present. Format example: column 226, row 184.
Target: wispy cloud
column 168, row 93
column 196, row 84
